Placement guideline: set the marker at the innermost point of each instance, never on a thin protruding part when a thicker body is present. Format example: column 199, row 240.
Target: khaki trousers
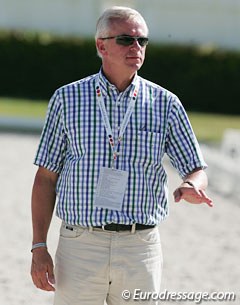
column 93, row 267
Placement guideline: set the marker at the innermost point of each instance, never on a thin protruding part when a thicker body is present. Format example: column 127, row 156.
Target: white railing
column 224, row 165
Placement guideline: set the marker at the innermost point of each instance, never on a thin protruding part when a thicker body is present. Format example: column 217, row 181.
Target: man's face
column 123, row 58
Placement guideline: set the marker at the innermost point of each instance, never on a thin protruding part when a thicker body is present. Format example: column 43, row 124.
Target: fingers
column 207, row 200
column 192, row 195
column 42, row 271
column 42, row 280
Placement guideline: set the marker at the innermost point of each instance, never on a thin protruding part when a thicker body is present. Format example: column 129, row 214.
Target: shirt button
column 118, row 104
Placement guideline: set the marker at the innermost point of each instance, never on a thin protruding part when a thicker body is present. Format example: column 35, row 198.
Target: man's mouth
column 134, row 57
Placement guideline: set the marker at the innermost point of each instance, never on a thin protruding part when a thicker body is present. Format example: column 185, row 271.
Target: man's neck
column 119, row 80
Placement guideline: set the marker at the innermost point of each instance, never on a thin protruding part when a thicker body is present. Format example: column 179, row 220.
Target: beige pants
column 96, row 266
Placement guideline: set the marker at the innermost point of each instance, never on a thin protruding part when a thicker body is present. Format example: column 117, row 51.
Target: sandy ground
column 200, row 244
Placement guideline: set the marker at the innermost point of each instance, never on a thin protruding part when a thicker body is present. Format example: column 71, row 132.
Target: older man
column 101, row 154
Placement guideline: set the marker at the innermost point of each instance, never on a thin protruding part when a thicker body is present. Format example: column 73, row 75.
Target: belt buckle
column 109, row 228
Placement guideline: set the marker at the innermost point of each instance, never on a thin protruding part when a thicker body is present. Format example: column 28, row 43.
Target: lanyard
column 125, row 121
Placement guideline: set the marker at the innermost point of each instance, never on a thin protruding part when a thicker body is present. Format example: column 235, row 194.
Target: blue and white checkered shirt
column 75, row 145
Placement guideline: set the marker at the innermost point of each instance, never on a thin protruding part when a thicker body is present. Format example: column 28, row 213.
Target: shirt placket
column 117, row 117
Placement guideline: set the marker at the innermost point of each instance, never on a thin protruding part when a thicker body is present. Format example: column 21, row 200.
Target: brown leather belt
column 117, row 227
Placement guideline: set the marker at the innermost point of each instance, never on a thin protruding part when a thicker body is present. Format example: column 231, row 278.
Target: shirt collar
column 106, row 86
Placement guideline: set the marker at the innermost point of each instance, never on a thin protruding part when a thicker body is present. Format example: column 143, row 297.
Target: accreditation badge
column 111, row 188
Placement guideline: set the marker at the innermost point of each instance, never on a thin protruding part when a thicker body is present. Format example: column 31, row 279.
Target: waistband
column 113, row 227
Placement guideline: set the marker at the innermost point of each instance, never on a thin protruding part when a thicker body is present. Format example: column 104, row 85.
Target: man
column 101, row 152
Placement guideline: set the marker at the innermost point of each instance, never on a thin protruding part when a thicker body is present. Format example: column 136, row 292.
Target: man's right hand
column 42, row 270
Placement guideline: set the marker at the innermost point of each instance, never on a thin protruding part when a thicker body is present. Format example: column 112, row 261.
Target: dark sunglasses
column 125, row 40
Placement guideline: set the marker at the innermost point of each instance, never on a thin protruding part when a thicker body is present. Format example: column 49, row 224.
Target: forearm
column 43, row 202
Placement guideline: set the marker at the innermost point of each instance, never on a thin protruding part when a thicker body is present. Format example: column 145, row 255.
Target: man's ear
column 101, row 46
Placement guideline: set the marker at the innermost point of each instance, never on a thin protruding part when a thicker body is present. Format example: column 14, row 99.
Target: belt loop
column 103, row 228
column 133, row 230
column 90, row 229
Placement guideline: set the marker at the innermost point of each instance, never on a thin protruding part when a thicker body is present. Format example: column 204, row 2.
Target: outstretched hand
column 192, row 195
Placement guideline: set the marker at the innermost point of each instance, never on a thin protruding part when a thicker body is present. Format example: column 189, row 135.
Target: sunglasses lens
column 143, row 41
column 125, row 40
column 128, row 40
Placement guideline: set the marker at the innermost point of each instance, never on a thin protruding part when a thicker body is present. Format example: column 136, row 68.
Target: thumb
column 177, row 195
column 51, row 277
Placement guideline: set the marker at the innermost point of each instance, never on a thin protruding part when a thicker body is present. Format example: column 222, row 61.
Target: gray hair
column 116, row 13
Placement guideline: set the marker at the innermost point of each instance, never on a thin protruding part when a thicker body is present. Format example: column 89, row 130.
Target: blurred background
column 194, row 51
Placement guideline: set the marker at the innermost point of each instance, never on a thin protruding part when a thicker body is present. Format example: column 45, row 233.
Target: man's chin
column 135, row 63
column 136, row 66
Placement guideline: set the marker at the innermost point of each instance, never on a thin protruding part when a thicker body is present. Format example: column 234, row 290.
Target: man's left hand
column 192, row 195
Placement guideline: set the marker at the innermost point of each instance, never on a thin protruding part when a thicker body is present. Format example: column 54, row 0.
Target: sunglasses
column 125, row 40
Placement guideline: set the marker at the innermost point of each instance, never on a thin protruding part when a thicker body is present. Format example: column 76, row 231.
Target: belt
column 121, row 227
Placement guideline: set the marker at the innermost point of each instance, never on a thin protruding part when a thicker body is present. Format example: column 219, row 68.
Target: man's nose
column 136, row 44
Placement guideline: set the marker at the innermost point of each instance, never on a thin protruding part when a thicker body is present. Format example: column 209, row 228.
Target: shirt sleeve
column 52, row 147
column 182, row 146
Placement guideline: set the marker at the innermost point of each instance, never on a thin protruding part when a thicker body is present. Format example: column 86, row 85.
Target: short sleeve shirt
column 75, row 145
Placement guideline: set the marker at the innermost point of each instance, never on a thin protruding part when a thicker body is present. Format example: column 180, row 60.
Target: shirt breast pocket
column 144, row 146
